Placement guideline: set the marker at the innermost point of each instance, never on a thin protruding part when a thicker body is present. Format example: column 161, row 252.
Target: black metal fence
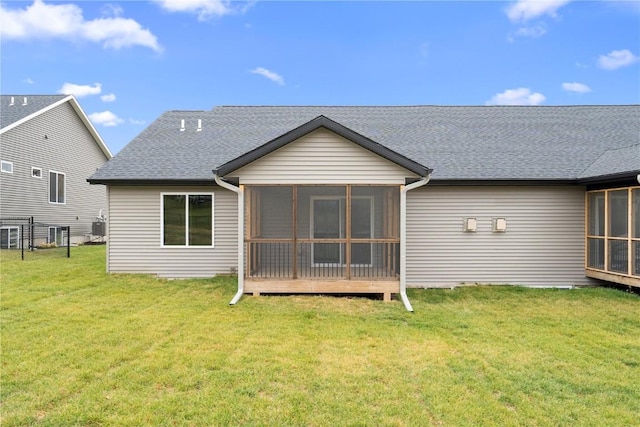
column 26, row 235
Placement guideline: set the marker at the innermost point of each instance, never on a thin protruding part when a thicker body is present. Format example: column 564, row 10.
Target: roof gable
column 16, row 110
column 315, row 124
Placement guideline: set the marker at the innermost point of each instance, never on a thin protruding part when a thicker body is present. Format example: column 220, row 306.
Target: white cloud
column 534, row 32
column 137, row 122
column 520, row 96
column 28, row 80
column 274, row 77
column 576, row 87
column 617, row 59
column 80, row 90
column 108, row 98
column 106, row 118
column 65, row 21
column 524, row 10
column 205, row 9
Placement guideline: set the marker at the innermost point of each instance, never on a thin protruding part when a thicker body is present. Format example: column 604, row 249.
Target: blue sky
column 129, row 61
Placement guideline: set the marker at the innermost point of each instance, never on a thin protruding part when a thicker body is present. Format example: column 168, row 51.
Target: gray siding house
column 378, row 199
column 48, row 148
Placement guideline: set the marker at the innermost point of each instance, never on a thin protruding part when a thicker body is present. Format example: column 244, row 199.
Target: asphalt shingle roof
column 10, row 114
column 458, row 143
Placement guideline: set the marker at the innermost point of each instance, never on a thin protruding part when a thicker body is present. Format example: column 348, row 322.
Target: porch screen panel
column 618, row 211
column 269, row 222
column 635, row 234
column 596, row 230
column 321, row 231
column 375, row 214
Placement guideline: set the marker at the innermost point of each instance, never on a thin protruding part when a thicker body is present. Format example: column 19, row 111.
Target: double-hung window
column 57, row 187
column 187, row 219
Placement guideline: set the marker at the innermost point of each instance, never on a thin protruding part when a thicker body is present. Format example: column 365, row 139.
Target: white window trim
column 4, row 163
column 12, row 227
column 186, row 229
column 49, row 188
column 63, row 235
column 37, row 169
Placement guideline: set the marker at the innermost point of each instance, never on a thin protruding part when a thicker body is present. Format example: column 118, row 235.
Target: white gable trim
column 76, row 106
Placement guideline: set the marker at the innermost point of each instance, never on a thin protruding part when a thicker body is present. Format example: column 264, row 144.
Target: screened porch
column 322, row 239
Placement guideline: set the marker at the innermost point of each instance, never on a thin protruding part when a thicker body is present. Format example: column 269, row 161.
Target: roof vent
column 199, row 126
column 182, row 125
column 13, row 102
column 25, row 101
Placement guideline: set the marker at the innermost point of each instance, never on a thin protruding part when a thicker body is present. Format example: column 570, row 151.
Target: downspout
column 403, row 237
column 240, row 192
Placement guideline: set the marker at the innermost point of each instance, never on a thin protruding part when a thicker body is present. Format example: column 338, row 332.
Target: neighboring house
column 375, row 199
column 48, row 148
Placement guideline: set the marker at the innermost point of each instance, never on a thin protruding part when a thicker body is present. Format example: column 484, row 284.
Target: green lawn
column 83, row 348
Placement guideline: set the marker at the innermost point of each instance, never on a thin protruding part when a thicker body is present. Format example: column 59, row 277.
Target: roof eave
column 603, row 179
column 150, row 182
column 503, row 181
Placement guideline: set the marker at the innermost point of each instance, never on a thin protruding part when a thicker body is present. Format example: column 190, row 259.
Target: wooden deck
column 325, row 286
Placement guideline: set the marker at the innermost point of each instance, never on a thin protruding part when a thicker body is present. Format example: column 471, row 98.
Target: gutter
column 240, row 192
column 403, row 237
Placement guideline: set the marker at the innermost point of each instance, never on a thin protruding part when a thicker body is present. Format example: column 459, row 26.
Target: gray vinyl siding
column 134, row 235
column 322, row 157
column 68, row 148
column 543, row 244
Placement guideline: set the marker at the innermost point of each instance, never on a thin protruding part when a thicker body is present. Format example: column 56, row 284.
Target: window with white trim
column 57, row 187
column 36, row 172
column 57, row 235
column 187, row 219
column 9, row 237
column 6, row 167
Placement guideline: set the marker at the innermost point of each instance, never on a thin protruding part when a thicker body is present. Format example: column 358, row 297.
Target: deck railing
column 373, row 259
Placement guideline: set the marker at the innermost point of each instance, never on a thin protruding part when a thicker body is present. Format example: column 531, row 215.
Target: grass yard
column 83, row 348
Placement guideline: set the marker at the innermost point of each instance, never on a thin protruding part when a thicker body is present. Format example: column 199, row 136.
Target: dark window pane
column 327, row 219
column 326, row 253
column 53, row 187
column 636, row 258
column 174, row 219
column 200, row 209
column 61, row 187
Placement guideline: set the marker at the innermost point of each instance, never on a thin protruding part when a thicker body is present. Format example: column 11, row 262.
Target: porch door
column 329, row 218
